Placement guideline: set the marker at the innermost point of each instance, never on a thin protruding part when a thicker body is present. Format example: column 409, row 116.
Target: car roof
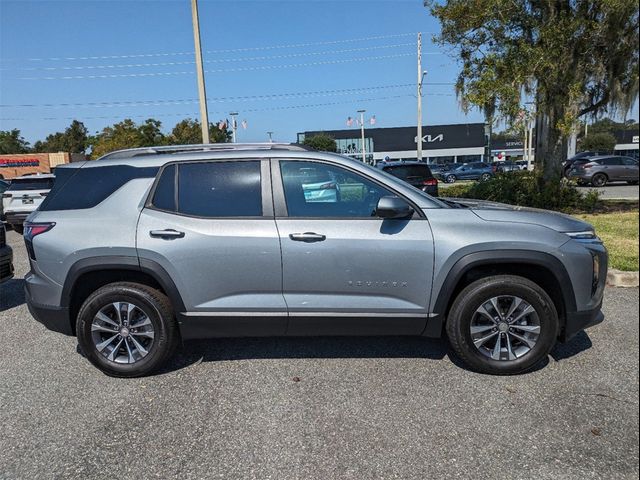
column 36, row 176
column 400, row 163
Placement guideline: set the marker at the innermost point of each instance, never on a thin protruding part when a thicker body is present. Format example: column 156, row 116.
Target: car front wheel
column 502, row 325
column 127, row 329
column 450, row 178
column 485, row 177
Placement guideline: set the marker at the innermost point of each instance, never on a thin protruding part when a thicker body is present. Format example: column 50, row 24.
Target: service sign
column 19, row 162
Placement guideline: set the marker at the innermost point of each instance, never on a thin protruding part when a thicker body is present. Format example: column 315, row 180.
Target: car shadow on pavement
column 225, row 349
column 11, row 294
column 576, row 345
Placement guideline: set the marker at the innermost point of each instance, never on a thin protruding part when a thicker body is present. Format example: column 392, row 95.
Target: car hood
column 501, row 212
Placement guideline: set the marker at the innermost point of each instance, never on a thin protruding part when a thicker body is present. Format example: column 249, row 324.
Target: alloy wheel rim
column 505, row 328
column 122, row 332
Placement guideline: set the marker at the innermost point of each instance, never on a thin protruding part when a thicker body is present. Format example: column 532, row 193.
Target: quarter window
column 320, row 190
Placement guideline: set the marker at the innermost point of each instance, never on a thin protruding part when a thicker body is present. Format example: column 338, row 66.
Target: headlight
column 584, row 235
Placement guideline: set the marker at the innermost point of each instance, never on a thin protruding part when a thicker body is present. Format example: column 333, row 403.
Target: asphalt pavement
column 317, row 408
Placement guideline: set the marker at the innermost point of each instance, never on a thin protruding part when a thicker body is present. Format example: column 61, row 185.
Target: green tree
column 73, row 140
column 188, row 132
column 599, row 142
column 127, row 134
column 322, row 142
column 572, row 57
column 12, row 142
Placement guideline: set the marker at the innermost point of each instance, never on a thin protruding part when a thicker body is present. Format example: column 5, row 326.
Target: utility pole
column 234, row 125
column 419, row 95
column 364, row 150
column 270, row 137
column 202, row 94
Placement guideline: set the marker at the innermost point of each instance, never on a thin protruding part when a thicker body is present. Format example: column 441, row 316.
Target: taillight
column 43, row 194
column 6, row 195
column 587, row 166
column 430, row 182
column 32, row 230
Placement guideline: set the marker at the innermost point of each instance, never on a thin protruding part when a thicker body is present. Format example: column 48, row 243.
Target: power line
column 222, row 112
column 135, row 103
column 231, row 50
column 219, row 60
column 222, row 70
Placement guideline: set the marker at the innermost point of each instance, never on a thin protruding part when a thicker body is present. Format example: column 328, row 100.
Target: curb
column 618, row 278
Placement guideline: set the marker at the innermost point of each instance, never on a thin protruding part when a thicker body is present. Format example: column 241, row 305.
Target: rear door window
column 220, row 189
column 612, row 161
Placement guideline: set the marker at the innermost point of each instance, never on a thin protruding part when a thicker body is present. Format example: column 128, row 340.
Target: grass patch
column 619, row 232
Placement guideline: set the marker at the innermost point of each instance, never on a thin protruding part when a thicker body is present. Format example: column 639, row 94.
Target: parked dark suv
column 417, row 174
column 181, row 242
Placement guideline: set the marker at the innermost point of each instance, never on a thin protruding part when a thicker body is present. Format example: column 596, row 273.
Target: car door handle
column 307, row 237
column 168, row 233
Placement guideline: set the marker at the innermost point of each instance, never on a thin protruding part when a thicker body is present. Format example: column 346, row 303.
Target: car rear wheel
column 633, row 182
column 502, row 325
column 599, row 180
column 127, row 329
column 450, row 178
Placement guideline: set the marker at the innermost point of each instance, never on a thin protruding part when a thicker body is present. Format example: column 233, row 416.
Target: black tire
column 473, row 296
column 599, row 180
column 633, row 182
column 485, row 177
column 450, row 178
column 19, row 229
column 157, row 308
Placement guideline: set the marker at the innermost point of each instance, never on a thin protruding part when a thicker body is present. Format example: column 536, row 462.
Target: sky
column 284, row 66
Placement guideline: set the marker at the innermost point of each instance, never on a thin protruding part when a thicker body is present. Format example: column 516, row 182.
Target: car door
column 630, row 169
column 210, row 226
column 346, row 271
column 613, row 168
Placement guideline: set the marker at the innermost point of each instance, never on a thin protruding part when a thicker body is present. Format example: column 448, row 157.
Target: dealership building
column 440, row 143
column 459, row 143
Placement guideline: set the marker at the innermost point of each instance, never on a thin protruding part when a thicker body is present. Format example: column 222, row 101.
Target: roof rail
column 207, row 147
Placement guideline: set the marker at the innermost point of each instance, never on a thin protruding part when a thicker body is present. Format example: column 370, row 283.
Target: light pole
column 421, row 74
column 270, row 137
column 364, row 150
column 202, row 94
column 234, row 125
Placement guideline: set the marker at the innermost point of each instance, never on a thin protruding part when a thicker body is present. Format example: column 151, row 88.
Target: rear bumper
column 578, row 321
column 16, row 218
column 6, row 263
column 54, row 318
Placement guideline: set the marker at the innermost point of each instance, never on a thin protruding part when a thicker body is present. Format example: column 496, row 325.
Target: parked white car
column 23, row 196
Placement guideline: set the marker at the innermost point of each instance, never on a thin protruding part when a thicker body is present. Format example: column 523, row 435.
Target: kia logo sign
column 635, row 139
column 431, row 139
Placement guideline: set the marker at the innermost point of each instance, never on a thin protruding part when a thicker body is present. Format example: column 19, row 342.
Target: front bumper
column 6, row 263
column 54, row 318
column 578, row 321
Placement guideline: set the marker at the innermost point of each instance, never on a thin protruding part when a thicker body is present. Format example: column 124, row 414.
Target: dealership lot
column 317, row 407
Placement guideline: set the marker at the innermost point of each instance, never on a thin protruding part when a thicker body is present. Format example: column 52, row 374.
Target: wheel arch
column 87, row 275
column 539, row 267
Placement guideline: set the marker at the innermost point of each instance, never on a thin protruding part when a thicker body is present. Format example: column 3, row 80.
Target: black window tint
column 406, row 172
column 612, row 161
column 220, row 189
column 31, row 184
column 79, row 188
column 629, row 161
column 164, row 197
column 347, row 194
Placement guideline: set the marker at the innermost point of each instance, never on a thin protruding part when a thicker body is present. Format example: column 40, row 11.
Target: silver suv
column 145, row 248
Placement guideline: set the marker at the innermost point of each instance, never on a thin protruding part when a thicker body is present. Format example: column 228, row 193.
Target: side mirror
column 393, row 207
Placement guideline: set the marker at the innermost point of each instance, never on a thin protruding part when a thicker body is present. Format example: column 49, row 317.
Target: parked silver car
column 144, row 248
column 599, row 171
